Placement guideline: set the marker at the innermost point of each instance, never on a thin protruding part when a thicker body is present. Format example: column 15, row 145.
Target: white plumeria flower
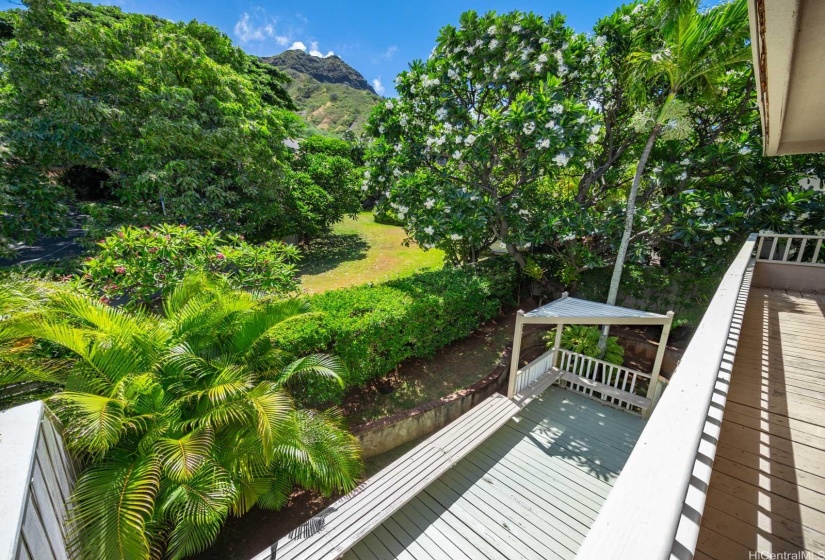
column 804, row 216
column 452, row 73
column 543, row 144
column 456, row 155
column 455, row 237
column 717, row 240
column 428, row 245
column 471, row 138
column 699, row 211
column 367, row 173
column 473, row 198
column 365, row 187
column 542, row 58
column 403, row 120
column 601, row 41
column 516, row 28
column 401, row 215
column 727, row 238
column 561, row 159
column 491, row 30
column 683, row 176
column 429, row 203
column 626, row 18
column 441, row 114
column 524, row 212
column 396, row 172
column 381, row 129
column 593, row 138
column 529, row 127
column 447, row 209
column 744, row 150
column 493, row 44
column 389, row 104
column 638, row 8
column 557, row 109
column 429, row 230
column 685, row 161
column 514, row 75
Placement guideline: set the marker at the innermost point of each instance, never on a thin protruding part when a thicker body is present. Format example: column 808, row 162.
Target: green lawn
column 361, row 251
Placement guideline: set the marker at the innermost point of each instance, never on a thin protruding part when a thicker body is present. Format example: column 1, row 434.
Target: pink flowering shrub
column 136, row 265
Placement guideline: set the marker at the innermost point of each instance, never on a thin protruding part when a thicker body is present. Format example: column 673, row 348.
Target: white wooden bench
column 349, row 519
column 605, row 390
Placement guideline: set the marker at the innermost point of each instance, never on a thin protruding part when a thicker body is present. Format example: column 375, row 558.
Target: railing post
column 557, row 344
column 657, row 363
column 514, row 357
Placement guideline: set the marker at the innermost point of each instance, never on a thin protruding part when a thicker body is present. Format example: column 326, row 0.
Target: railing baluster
column 774, row 242
column 788, row 243
column 801, row 250
column 759, row 248
column 816, row 251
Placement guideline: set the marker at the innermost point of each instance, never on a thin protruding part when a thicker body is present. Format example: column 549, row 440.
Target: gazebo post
column 557, row 344
column 657, row 364
column 514, row 357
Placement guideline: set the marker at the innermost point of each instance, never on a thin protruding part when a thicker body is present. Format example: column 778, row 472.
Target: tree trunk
column 630, row 214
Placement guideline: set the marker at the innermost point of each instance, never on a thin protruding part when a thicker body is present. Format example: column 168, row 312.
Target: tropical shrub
column 179, row 420
column 585, row 340
column 139, row 264
column 373, row 328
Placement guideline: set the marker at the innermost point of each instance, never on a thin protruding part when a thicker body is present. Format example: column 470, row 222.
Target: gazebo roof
column 581, row 311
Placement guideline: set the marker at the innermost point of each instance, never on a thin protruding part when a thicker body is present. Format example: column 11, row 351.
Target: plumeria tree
column 484, row 134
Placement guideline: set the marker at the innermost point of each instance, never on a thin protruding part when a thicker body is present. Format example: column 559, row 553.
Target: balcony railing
column 655, row 509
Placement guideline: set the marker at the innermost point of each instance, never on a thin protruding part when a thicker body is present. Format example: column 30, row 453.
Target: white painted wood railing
column 624, row 380
column 36, row 478
column 655, row 507
column 805, row 250
column 533, row 371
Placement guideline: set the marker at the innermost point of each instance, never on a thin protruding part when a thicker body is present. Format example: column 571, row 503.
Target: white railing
column 655, row 507
column 36, row 479
column 805, row 250
column 624, row 380
column 533, row 371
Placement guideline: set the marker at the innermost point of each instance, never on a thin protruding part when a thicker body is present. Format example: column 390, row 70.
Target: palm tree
column 695, row 49
column 179, row 419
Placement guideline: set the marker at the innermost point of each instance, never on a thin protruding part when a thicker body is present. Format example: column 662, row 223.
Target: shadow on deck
column 530, row 491
column 767, row 490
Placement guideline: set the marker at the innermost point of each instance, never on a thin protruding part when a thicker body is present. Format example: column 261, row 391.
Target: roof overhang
column 788, row 42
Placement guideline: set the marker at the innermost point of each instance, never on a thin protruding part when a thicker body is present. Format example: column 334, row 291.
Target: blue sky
column 377, row 38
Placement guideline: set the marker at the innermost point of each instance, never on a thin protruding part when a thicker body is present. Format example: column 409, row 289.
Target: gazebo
column 611, row 384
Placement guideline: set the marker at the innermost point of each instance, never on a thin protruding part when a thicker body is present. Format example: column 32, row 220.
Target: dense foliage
column 373, row 328
column 136, row 265
column 585, row 340
column 324, row 177
column 667, row 79
column 179, row 420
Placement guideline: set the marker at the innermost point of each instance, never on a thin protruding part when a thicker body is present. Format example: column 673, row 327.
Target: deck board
column 767, row 490
column 531, row 490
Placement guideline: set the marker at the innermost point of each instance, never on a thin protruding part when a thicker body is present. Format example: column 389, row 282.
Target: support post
column 657, row 364
column 557, row 344
column 514, row 358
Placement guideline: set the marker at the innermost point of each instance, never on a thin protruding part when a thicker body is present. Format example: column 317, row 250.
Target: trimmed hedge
column 373, row 328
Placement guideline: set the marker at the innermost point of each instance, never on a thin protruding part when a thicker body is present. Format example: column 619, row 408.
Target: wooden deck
column 767, row 490
column 530, row 491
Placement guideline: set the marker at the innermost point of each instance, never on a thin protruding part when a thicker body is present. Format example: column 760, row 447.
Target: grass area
column 361, row 251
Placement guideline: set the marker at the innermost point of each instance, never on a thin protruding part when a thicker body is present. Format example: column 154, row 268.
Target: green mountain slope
column 331, row 95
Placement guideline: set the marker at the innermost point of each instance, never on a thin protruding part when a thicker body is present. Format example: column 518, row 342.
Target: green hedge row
column 373, row 328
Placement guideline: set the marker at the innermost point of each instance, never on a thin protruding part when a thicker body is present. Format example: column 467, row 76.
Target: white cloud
column 298, row 46
column 378, row 86
column 257, row 26
column 389, row 53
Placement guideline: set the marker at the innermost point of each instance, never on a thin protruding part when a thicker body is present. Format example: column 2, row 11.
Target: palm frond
column 96, row 422
column 110, row 506
column 181, row 457
column 320, row 365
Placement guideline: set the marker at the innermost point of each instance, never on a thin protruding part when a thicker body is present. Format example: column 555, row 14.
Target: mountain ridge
column 330, row 94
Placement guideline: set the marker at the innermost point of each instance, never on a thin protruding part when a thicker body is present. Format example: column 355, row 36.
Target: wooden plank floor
column 531, row 491
column 767, row 490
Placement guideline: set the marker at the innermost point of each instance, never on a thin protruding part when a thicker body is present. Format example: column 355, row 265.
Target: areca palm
column 180, row 419
column 692, row 51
